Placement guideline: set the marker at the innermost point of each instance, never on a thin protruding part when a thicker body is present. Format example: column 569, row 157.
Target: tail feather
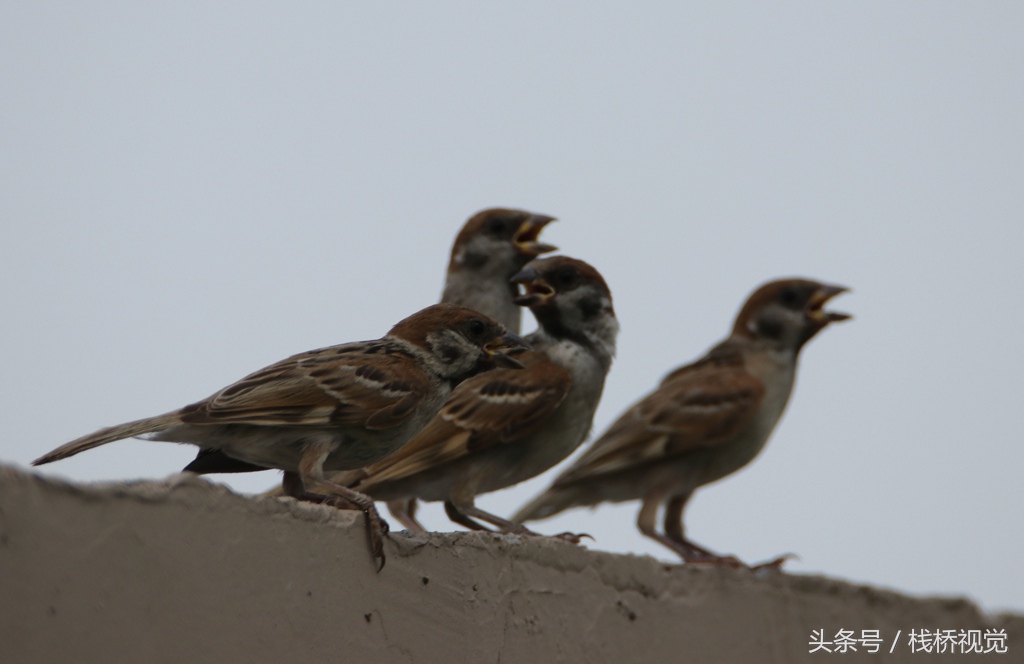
column 548, row 504
column 109, row 435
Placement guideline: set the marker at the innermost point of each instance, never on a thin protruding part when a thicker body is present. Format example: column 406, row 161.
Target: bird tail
column 549, row 503
column 109, row 435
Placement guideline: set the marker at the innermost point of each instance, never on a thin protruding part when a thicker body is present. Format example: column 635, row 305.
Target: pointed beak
column 526, row 238
column 816, row 311
column 536, row 291
column 501, row 348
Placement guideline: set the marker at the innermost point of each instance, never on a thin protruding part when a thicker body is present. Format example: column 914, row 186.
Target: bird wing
column 498, row 407
column 376, row 385
column 697, row 406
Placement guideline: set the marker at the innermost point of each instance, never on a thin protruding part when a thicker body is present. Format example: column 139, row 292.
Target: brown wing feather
column 372, row 385
column 700, row 405
column 497, row 407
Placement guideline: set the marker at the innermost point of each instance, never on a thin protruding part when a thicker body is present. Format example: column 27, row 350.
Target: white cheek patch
column 566, row 354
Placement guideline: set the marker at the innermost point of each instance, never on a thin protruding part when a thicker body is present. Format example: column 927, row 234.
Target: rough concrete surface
column 186, row 571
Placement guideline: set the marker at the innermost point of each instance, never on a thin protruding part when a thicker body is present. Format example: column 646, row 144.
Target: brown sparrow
column 334, row 408
column 504, row 427
column 490, row 249
column 493, row 245
column 705, row 421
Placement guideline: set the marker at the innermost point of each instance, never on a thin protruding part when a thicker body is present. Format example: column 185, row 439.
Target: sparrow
column 504, row 427
column 705, row 421
column 334, row 408
column 492, row 246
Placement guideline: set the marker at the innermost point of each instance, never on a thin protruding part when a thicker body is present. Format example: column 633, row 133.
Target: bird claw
column 377, row 529
column 735, row 563
column 774, row 564
column 337, row 502
column 523, row 531
column 724, row 561
column 730, row 561
column 520, row 530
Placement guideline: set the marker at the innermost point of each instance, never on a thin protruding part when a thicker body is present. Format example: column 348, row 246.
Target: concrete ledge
column 187, row 571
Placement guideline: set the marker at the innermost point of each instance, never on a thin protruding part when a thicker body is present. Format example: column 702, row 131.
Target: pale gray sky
column 193, row 191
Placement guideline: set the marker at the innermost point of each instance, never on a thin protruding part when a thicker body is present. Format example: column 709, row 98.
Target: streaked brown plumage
column 505, row 427
column 705, row 421
column 491, row 247
column 334, row 408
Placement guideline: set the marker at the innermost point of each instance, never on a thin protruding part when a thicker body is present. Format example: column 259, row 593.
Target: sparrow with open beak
column 504, row 427
column 493, row 245
column 491, row 248
column 334, row 408
column 705, row 421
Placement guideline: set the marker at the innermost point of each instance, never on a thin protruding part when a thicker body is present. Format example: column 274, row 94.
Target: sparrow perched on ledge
column 492, row 246
column 334, row 408
column 705, row 421
column 504, row 427
column 490, row 249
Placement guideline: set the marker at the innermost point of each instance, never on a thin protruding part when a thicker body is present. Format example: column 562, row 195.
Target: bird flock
column 451, row 403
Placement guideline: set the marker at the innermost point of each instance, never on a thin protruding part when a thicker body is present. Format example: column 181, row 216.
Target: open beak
column 526, row 238
column 815, row 308
column 536, row 291
column 501, row 348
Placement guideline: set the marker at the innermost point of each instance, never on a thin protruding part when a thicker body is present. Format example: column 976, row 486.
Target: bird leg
column 291, row 485
column 695, row 553
column 311, row 473
column 673, row 537
column 774, row 564
column 461, row 516
column 674, row 530
column 464, row 516
column 404, row 512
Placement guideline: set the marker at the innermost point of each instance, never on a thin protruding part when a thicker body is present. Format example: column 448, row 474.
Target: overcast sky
column 191, row 192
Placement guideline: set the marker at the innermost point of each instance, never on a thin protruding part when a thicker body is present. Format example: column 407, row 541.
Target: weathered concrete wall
column 188, row 572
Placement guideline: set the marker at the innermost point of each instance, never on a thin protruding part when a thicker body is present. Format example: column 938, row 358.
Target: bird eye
column 476, row 327
column 566, row 277
column 496, row 226
column 789, row 297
